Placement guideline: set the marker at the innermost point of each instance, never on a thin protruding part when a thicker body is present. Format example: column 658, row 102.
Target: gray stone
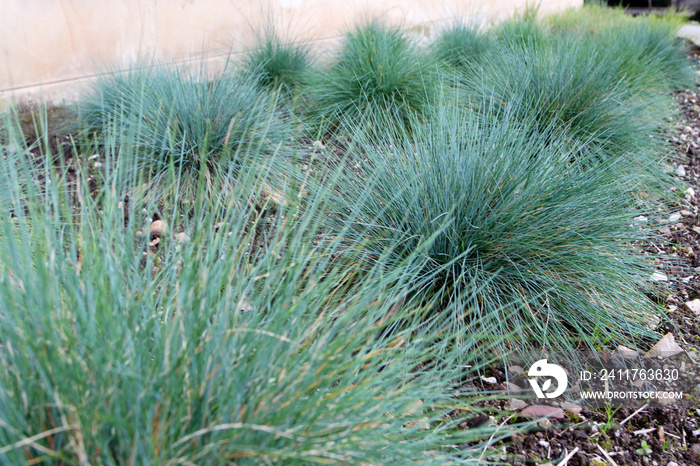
column 515, row 405
column 690, row 32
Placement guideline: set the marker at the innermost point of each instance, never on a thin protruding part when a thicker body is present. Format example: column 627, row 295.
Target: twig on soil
column 644, row 431
column 568, row 457
column 634, row 414
column 606, row 455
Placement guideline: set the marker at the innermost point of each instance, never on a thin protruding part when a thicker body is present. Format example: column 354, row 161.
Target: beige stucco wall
column 50, row 49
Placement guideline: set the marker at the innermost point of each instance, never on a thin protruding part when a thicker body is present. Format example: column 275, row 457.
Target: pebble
column 690, row 193
column 686, row 213
column 158, row 228
column 674, row 217
column 515, row 405
column 515, row 370
column 659, row 277
column 626, row 353
column 542, row 411
column 489, row 379
column 571, row 408
column 694, row 306
column 511, row 387
column 695, row 452
column 680, row 170
column 182, row 237
column 664, row 348
column 545, row 423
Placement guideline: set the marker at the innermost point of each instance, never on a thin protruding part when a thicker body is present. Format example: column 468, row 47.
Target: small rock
column 672, row 463
column 694, row 306
column 680, row 170
column 686, row 213
column 641, row 218
column 665, row 231
column 695, row 452
column 664, row 348
column 674, row 217
column 626, row 353
column 696, row 230
column 571, row 408
column 543, row 411
column 690, row 193
column 490, row 380
column 182, row 237
column 544, row 443
column 515, row 405
column 545, row 423
column 318, row 145
column 513, row 388
column 514, row 370
column 659, row 277
column 158, row 228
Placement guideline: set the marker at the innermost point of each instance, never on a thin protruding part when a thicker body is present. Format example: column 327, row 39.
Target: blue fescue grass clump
column 208, row 351
column 461, row 46
column 278, row 65
column 174, row 121
column 522, row 30
column 650, row 50
column 378, row 80
column 517, row 237
column 575, row 85
column 644, row 46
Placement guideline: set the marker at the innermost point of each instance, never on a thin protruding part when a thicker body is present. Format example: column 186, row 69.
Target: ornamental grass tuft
column 176, row 123
column 205, row 351
column 516, row 237
column 278, row 65
column 379, row 80
column 576, row 86
column 461, row 46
